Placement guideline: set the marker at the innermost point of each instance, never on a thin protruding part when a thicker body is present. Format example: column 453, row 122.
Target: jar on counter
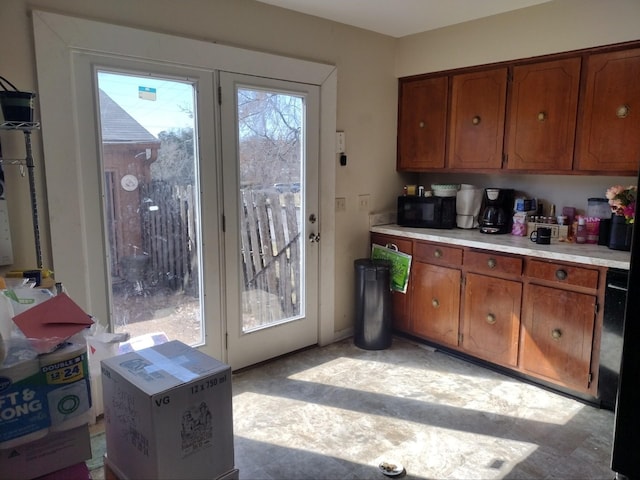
column 581, row 231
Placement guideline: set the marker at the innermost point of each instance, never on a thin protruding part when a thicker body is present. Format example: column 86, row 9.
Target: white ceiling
column 398, row 18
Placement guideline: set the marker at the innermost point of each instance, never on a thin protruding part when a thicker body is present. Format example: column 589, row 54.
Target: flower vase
column 620, row 233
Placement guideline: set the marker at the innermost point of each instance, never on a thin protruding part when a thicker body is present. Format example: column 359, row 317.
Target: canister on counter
column 598, row 207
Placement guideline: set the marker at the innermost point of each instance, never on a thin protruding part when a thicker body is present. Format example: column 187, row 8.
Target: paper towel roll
column 24, row 415
column 66, row 374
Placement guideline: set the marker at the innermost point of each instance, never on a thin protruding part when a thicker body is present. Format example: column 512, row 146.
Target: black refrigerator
column 625, row 458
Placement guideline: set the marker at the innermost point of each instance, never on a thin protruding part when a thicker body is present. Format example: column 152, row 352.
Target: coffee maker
column 496, row 210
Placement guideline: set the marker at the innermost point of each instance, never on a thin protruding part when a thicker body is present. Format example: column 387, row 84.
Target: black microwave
column 427, row 212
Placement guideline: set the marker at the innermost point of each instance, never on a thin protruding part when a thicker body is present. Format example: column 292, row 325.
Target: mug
column 541, row 236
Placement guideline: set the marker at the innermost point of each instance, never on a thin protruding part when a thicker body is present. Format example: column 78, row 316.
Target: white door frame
column 57, row 38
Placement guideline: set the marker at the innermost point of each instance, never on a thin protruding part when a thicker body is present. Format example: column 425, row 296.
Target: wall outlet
column 341, row 204
column 363, row 202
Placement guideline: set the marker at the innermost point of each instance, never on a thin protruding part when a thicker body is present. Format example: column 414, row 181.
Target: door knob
column 314, row 237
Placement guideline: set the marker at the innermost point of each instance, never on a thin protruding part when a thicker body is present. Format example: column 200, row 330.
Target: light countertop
column 587, row 254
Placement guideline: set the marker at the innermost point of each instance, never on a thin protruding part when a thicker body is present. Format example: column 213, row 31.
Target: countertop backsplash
column 559, row 190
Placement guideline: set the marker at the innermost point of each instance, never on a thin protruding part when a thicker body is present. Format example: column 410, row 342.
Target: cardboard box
column 112, row 472
column 168, row 413
column 54, row 452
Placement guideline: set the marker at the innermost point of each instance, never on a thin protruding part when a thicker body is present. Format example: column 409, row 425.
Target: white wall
column 552, row 27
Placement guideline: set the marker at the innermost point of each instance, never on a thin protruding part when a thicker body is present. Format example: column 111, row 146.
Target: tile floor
column 336, row 412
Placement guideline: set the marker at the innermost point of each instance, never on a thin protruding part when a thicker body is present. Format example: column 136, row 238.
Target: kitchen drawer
column 492, row 263
column 563, row 274
column 437, row 253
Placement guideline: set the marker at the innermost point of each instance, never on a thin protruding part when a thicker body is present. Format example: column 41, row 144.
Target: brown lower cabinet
column 435, row 303
column 557, row 335
column 534, row 317
column 491, row 318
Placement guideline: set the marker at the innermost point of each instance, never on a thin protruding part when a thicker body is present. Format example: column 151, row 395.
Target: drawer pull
column 476, row 120
column 421, row 125
column 556, row 333
column 561, row 274
column 491, row 263
column 435, row 302
column 491, row 318
column 437, row 253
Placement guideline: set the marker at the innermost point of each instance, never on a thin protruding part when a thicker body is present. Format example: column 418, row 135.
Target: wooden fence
column 169, row 235
column 270, row 247
column 269, row 239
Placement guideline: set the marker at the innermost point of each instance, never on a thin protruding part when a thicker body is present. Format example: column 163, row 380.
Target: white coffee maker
column 468, row 201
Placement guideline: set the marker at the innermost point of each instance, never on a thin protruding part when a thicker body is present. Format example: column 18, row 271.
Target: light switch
column 340, row 142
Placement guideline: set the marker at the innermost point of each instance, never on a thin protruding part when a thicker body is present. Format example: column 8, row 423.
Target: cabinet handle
column 491, row 263
column 556, row 333
column 623, row 111
column 392, row 246
column 435, row 303
column 542, row 116
column 491, row 318
column 476, row 120
column 561, row 274
column 437, row 253
column 421, row 124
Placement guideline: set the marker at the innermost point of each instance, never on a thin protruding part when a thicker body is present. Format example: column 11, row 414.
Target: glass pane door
column 270, row 132
column 270, row 153
column 151, row 209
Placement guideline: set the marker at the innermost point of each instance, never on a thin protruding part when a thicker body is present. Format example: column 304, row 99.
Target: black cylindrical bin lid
column 373, row 267
column 372, row 263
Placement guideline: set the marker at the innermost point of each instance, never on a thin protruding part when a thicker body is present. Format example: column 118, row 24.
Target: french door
column 168, row 198
column 270, row 148
column 97, row 260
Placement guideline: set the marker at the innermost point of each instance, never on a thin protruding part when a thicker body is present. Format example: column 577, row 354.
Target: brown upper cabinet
column 477, row 119
column 570, row 113
column 542, row 115
column 422, row 123
column 609, row 134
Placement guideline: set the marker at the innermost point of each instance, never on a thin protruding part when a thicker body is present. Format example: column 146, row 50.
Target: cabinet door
column 422, row 119
column 542, row 115
column 435, row 306
column 608, row 131
column 491, row 318
column 477, row 119
column 557, row 335
column 400, row 301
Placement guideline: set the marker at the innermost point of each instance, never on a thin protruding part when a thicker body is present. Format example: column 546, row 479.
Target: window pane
column 271, row 165
column 149, row 168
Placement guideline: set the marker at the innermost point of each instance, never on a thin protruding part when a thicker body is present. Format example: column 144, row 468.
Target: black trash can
column 372, row 329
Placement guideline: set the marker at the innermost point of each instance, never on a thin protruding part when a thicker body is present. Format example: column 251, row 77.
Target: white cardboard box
column 54, row 452
column 168, row 413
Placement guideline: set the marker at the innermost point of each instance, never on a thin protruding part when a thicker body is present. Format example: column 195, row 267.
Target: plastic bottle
column 581, row 231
